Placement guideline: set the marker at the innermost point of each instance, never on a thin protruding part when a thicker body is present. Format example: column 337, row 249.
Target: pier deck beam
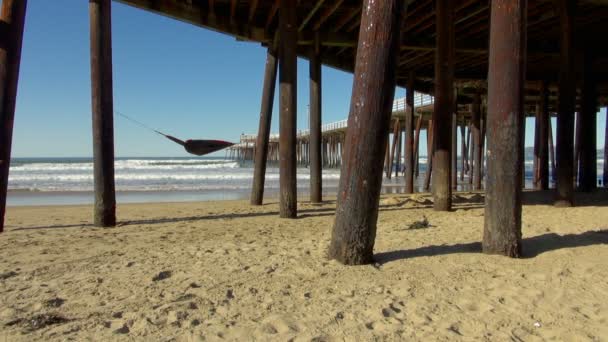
column 261, row 146
column 476, row 125
column 565, row 110
column 506, row 79
column 443, row 106
column 12, row 18
column 409, row 135
column 543, row 139
column 354, row 230
column 103, row 113
column 288, row 102
column 588, row 120
column 316, row 182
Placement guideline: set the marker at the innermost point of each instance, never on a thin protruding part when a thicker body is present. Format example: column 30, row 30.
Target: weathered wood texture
column 565, row 110
column 588, row 113
column 443, row 105
column 316, row 181
column 12, row 19
column 417, row 149
column 476, row 134
column 506, row 78
column 261, row 146
column 429, row 155
column 103, row 113
column 409, row 136
column 288, row 109
column 354, row 230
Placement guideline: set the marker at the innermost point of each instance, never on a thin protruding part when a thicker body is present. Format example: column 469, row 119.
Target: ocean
column 52, row 181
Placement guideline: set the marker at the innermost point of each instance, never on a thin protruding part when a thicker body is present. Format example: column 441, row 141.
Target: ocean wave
column 128, row 165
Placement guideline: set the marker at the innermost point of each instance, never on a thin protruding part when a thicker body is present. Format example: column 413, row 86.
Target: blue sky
column 187, row 81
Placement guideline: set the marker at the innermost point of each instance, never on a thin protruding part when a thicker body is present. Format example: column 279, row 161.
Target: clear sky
column 187, row 81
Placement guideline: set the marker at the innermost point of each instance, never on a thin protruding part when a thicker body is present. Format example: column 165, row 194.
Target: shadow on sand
column 532, row 246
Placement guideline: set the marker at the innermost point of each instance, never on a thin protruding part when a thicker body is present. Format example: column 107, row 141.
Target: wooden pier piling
column 543, row 139
column 103, row 113
column 588, row 115
column 443, row 105
column 454, row 152
column 316, row 182
column 354, row 230
column 506, row 79
column 288, row 110
column 565, row 110
column 12, row 19
column 262, row 139
column 409, row 135
column 476, row 134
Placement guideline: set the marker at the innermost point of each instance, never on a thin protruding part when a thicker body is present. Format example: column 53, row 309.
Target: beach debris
column 122, row 330
column 162, row 276
column 6, row 275
column 229, row 294
column 39, row 321
column 420, row 224
column 54, row 303
column 537, row 324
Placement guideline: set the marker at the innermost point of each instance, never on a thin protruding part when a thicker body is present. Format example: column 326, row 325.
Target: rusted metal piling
column 543, row 139
column 409, row 135
column 444, row 106
column 588, row 115
column 12, row 19
column 565, row 109
column 288, row 102
column 354, row 230
column 103, row 113
column 506, row 79
column 261, row 151
column 316, row 183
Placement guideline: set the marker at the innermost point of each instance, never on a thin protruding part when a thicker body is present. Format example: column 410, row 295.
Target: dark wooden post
column 399, row 147
column 417, row 149
column 409, row 135
column 476, row 135
column 454, row 152
column 463, row 149
column 443, row 105
column 535, row 161
column 430, row 142
column 605, row 175
column 261, row 151
column 543, row 139
column 103, row 112
column 288, row 101
column 12, row 18
column 506, row 79
column 588, row 115
column 393, row 149
column 565, row 109
column 354, row 230
column 552, row 152
column 577, row 148
column 316, row 182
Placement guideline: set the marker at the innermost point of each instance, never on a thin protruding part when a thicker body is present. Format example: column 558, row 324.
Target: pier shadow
column 532, row 247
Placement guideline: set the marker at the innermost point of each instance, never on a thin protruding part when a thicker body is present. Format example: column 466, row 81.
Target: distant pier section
column 333, row 136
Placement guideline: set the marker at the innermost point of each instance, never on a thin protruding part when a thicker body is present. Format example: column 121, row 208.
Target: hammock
column 196, row 147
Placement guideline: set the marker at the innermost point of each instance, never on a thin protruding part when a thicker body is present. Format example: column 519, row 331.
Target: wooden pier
column 488, row 64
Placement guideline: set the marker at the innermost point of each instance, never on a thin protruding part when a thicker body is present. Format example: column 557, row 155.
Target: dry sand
column 225, row 270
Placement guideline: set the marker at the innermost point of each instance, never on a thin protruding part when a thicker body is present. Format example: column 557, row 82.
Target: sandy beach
column 226, row 270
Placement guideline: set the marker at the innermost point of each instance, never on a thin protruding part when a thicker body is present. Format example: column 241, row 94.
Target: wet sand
column 226, row 270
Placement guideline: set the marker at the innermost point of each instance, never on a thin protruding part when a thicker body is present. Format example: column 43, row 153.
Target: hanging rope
column 197, row 147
